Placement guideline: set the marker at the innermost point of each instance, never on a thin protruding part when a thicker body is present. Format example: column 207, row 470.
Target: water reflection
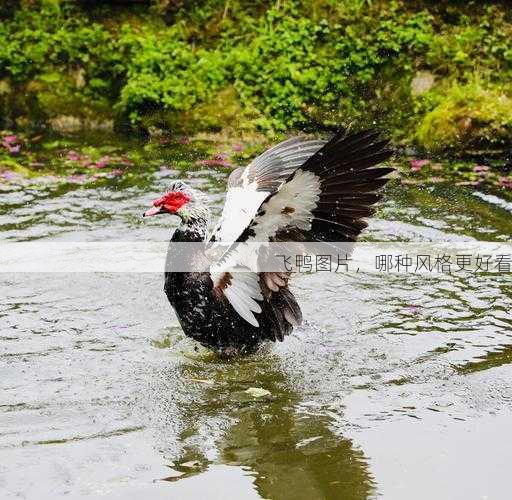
column 284, row 441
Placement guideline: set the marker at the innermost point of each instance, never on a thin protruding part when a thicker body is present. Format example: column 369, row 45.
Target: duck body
column 210, row 319
column 301, row 190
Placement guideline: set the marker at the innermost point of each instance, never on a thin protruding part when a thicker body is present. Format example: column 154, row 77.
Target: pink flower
column 220, row 156
column 103, row 162
column 77, row 179
column 10, row 139
column 184, row 140
column 73, row 156
column 417, row 165
column 126, row 161
column 218, row 160
column 238, row 147
column 116, row 172
column 12, row 144
column 480, row 169
column 14, row 150
column 505, row 182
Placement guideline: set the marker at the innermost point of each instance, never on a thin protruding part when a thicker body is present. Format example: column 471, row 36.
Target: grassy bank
column 436, row 75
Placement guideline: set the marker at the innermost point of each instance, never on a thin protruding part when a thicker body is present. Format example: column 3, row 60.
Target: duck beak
column 153, row 211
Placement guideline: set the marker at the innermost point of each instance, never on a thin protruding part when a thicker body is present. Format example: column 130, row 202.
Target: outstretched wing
column 313, row 191
column 327, row 197
column 249, row 187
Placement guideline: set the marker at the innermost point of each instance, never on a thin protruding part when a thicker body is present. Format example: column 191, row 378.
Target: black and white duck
column 299, row 190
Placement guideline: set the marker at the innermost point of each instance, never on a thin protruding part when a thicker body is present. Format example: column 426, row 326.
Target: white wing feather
column 243, row 291
column 265, row 176
column 240, row 207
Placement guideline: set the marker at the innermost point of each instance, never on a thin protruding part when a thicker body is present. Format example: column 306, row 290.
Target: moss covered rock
column 222, row 112
column 467, row 116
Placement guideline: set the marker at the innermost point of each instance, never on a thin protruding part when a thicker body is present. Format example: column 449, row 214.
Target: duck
column 302, row 189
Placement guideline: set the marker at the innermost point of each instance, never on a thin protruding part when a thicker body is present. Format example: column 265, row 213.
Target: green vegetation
column 469, row 115
column 435, row 74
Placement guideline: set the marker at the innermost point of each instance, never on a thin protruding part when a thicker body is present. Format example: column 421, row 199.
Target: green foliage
column 485, row 43
column 335, row 61
column 467, row 116
column 163, row 71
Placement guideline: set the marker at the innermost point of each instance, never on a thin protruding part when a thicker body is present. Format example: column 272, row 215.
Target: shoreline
column 84, row 159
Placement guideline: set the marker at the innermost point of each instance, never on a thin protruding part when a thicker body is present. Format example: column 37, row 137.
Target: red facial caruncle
column 170, row 202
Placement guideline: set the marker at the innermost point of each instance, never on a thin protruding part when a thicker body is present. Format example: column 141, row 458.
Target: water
column 396, row 386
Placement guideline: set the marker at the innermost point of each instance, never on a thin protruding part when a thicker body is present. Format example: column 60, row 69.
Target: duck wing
column 299, row 190
column 249, row 187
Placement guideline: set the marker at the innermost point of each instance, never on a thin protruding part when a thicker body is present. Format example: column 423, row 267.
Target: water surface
column 396, row 386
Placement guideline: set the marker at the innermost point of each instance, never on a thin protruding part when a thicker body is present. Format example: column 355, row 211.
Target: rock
column 79, row 77
column 5, row 88
column 106, row 125
column 467, row 117
column 422, row 82
column 65, row 124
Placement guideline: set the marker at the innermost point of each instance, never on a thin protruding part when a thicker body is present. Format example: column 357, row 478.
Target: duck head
column 180, row 200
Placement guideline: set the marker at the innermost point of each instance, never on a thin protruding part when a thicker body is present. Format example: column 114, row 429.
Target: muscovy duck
column 299, row 190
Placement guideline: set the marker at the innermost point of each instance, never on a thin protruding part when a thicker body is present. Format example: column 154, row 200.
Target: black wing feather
column 350, row 180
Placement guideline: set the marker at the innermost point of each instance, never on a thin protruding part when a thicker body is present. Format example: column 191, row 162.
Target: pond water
column 396, row 386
